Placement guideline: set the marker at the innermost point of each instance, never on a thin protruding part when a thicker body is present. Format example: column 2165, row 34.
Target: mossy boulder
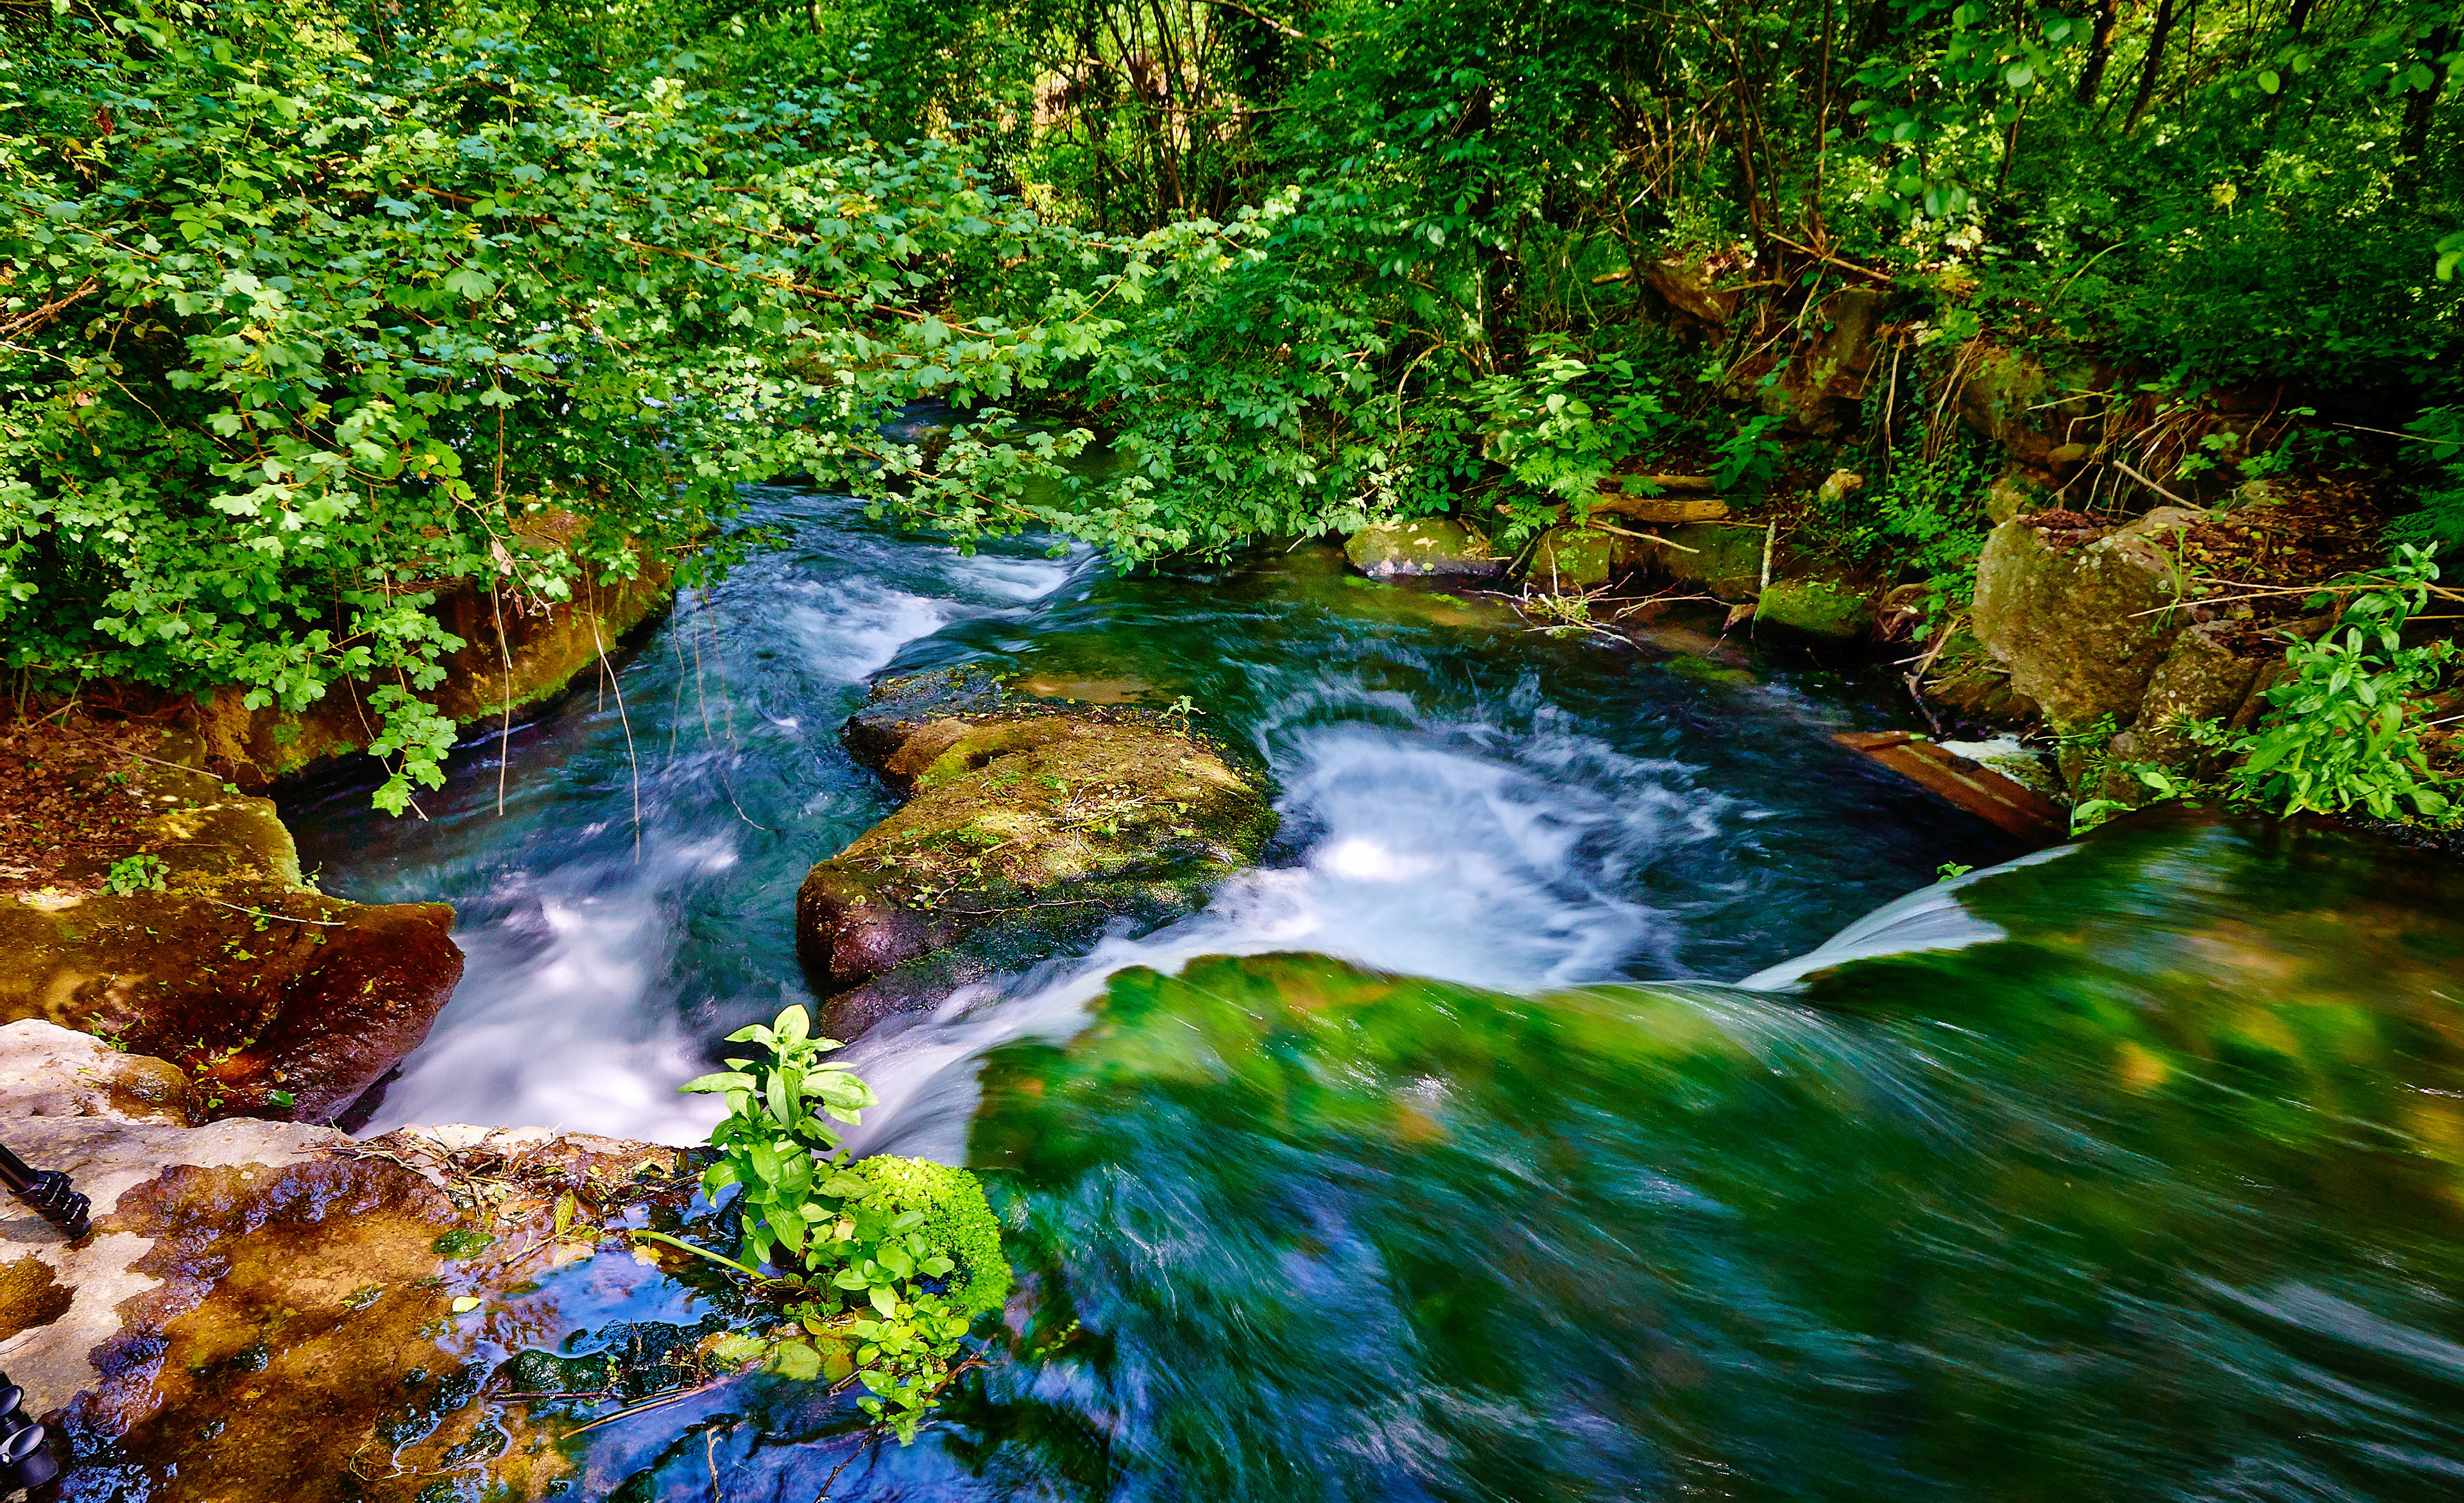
column 1570, row 560
column 1827, row 609
column 1434, row 545
column 1028, row 826
column 2082, row 627
column 279, row 1000
column 1724, row 561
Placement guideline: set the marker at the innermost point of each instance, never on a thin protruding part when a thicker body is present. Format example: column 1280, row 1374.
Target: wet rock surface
column 1029, row 826
column 269, row 1310
column 279, row 1000
column 1424, row 546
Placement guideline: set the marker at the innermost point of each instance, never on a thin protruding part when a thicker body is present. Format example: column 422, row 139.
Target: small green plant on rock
column 881, row 1263
column 131, row 875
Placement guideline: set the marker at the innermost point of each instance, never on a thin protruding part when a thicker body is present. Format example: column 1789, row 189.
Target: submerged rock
column 281, row 1000
column 1028, row 825
column 1428, row 545
column 269, row 1310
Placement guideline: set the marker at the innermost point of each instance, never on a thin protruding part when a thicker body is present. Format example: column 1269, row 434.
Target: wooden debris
column 1660, row 509
column 1972, row 786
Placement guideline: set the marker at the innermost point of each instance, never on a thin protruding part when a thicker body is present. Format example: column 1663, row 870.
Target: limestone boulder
column 1028, row 827
column 50, row 1071
column 279, row 1000
column 270, row 1311
column 1427, row 546
column 2082, row 627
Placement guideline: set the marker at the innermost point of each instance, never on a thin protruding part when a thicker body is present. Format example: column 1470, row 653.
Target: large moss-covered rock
column 1570, row 560
column 2081, row 627
column 1435, row 546
column 1724, row 559
column 1825, row 608
column 1028, row 825
column 270, row 1311
column 281, row 1000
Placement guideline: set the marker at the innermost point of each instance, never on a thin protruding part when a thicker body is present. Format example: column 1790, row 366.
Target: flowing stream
column 1494, row 1140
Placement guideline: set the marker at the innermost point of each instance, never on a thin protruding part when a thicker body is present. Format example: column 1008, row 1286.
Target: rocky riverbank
column 169, row 916
column 271, row 1309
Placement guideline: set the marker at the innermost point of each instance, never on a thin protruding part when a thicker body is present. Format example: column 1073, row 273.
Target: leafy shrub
column 1748, row 460
column 2440, row 519
column 296, row 337
column 884, row 1262
column 1929, row 516
column 1567, row 424
column 2345, row 729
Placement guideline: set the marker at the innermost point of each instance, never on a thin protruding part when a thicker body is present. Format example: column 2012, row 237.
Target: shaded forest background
column 313, row 310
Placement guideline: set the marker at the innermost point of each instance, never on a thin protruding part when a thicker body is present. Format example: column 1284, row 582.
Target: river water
column 1444, row 1156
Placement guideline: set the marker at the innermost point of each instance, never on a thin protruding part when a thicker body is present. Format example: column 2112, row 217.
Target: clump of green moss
column 957, row 1221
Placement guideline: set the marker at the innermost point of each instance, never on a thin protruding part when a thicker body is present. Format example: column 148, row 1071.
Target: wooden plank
column 1978, row 789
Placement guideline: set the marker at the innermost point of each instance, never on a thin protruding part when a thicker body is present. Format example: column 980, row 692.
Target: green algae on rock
column 1028, row 825
column 279, row 1000
column 1427, row 545
column 1832, row 610
column 2212, row 1163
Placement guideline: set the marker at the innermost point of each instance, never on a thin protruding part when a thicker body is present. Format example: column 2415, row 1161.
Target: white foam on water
column 1440, row 853
column 559, row 1021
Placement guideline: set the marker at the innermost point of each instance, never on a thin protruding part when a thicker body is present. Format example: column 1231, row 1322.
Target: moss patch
column 1832, row 609
column 957, row 1217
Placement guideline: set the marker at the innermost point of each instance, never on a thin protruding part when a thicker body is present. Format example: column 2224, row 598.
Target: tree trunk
column 2415, row 144
column 2100, row 50
column 2153, row 67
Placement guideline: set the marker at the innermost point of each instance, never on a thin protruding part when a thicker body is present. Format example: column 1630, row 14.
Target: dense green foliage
column 303, row 330
column 311, row 313
column 884, row 1261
